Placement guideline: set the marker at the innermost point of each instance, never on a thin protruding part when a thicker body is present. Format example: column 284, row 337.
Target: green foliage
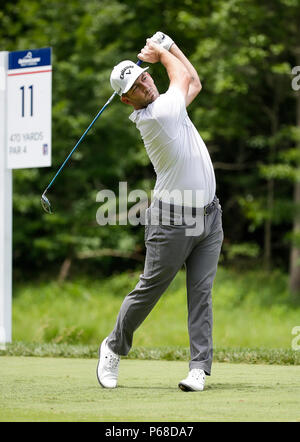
column 247, row 250
column 244, row 53
column 251, row 309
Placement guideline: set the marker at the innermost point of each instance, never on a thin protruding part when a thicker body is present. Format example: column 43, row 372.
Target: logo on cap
column 124, row 70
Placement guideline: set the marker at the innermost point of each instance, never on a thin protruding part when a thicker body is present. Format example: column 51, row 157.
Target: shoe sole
column 186, row 388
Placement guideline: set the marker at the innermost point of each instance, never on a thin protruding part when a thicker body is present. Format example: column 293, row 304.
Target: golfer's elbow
column 190, row 85
column 186, row 77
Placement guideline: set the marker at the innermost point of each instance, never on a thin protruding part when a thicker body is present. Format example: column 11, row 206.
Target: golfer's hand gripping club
column 44, row 200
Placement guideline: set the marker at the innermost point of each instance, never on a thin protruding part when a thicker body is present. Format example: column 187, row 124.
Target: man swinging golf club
column 183, row 166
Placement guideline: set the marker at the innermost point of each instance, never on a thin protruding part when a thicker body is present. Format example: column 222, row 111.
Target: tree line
column 248, row 113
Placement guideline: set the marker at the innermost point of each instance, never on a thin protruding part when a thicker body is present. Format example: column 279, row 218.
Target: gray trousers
column 168, row 248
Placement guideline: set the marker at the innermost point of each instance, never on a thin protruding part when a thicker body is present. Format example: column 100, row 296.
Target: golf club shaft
column 139, row 62
column 79, row 141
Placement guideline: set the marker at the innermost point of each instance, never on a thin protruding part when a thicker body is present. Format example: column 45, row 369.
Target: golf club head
column 46, row 204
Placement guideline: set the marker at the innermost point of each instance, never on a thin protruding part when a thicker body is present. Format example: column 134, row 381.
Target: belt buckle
column 209, row 208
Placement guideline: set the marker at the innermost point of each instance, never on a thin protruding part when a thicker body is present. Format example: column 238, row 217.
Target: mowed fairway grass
column 61, row 389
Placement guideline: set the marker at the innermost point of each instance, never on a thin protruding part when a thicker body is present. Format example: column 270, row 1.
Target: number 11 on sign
column 22, row 88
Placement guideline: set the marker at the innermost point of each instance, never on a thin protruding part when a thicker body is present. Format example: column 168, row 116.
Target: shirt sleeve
column 169, row 110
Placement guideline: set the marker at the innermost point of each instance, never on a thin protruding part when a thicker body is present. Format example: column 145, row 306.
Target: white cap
column 124, row 75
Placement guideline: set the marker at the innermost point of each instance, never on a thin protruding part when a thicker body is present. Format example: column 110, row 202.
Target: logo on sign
column 28, row 60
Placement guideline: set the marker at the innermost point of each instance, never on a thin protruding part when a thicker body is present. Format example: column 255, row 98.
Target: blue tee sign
column 29, row 97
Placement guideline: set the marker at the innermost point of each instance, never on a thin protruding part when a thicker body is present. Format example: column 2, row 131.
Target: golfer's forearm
column 176, row 70
column 195, row 82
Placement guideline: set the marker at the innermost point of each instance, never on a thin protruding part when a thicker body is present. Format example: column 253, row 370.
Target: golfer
column 185, row 229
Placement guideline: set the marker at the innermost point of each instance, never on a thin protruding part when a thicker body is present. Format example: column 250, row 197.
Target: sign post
column 5, row 215
column 25, row 141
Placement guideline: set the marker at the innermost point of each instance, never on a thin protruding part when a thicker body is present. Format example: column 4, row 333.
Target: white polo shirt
column 179, row 156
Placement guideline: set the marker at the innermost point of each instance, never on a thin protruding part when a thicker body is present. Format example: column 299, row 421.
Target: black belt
column 193, row 211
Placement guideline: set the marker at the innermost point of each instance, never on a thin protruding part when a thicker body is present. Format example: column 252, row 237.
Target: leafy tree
column 244, row 51
column 245, row 59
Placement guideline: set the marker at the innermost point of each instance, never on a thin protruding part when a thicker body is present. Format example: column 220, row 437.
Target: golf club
column 44, row 200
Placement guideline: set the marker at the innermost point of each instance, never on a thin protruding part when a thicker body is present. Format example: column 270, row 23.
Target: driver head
column 46, row 204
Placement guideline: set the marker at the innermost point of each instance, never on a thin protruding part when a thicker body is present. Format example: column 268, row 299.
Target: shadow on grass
column 237, row 386
column 208, row 387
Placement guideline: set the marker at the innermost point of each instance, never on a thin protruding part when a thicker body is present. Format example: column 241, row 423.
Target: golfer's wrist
column 173, row 49
column 161, row 52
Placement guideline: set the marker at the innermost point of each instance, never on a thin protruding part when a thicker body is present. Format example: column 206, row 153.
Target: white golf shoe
column 194, row 382
column 108, row 366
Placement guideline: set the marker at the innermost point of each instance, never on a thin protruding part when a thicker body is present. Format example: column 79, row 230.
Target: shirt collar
column 134, row 116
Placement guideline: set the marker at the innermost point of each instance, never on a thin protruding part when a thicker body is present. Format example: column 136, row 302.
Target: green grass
column 236, row 355
column 59, row 389
column 251, row 310
column 61, row 325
